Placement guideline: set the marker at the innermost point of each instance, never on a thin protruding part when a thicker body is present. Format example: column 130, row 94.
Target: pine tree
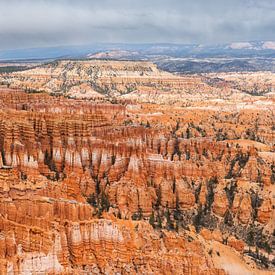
column 152, row 219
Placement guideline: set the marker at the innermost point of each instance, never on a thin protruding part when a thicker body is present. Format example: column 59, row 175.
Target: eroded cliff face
column 141, row 82
column 98, row 188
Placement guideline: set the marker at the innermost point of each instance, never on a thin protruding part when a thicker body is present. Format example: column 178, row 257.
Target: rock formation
column 110, row 186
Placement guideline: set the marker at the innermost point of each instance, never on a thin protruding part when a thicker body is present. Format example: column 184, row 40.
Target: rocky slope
column 93, row 187
column 142, row 82
column 98, row 77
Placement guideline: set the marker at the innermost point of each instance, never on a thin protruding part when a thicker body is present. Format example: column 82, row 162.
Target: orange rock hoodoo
column 103, row 188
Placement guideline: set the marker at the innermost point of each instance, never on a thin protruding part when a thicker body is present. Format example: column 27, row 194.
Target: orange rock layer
column 104, row 188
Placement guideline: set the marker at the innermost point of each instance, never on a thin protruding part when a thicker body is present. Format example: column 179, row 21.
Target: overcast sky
column 36, row 23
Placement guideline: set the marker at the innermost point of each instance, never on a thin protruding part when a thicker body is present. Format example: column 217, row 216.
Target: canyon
column 118, row 167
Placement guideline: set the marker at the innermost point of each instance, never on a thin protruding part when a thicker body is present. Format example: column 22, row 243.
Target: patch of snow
column 269, row 45
column 240, row 45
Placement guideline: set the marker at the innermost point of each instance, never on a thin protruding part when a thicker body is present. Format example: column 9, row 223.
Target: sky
column 46, row 23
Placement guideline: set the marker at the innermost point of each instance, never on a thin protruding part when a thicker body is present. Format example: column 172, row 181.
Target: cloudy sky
column 36, row 23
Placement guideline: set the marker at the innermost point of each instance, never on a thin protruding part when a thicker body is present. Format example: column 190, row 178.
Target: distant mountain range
column 176, row 58
column 238, row 49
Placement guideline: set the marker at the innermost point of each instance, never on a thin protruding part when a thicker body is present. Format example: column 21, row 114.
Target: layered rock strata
column 98, row 188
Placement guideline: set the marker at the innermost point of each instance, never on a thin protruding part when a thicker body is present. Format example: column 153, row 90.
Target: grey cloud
column 34, row 23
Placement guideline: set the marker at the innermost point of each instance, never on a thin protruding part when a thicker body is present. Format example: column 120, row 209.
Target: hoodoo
column 121, row 183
